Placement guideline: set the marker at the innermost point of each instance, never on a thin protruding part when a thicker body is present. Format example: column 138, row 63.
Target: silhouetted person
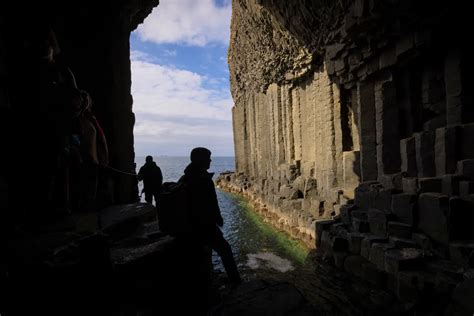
column 96, row 143
column 205, row 214
column 97, row 150
column 152, row 178
column 57, row 109
column 92, row 145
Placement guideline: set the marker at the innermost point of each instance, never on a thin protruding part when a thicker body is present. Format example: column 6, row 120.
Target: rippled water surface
column 254, row 243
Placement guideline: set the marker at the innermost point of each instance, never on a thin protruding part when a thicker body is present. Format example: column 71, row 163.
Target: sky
column 180, row 79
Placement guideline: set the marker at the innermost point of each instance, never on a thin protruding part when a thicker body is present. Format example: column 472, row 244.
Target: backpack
column 174, row 208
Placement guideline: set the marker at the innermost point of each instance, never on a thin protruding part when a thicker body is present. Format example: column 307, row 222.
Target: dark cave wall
column 96, row 46
column 4, row 108
column 94, row 42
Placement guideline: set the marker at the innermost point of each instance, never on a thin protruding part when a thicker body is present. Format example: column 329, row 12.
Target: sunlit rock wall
column 331, row 94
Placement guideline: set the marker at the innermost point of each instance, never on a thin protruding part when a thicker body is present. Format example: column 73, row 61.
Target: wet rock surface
column 262, row 297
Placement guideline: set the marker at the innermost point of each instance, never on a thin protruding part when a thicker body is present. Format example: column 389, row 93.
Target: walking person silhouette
column 152, row 178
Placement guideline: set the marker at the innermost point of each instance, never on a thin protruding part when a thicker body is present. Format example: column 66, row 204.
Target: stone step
column 367, row 242
column 122, row 220
column 402, row 242
column 466, row 188
column 400, row 230
column 403, row 259
column 366, row 270
column 378, row 221
column 422, row 241
column 404, row 207
column 462, row 253
column 360, row 226
column 466, row 168
column 355, row 240
column 377, row 254
column 429, row 185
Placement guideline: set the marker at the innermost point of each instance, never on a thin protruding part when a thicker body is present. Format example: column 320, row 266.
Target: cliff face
column 329, row 94
column 273, row 41
column 358, row 112
column 287, row 109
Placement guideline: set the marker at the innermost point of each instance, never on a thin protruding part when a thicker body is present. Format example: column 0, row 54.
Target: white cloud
column 169, row 52
column 190, row 22
column 149, row 129
column 169, row 91
column 138, row 55
column 173, row 108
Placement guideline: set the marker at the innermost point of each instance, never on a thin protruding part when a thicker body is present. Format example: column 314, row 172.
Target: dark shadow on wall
column 94, row 43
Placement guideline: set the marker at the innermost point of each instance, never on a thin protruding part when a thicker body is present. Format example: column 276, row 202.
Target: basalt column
column 354, row 128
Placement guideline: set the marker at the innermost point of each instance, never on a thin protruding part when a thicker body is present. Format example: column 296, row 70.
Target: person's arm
column 215, row 211
column 160, row 177
column 140, row 174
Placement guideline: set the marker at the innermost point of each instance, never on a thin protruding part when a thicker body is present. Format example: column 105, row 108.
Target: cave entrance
column 180, row 84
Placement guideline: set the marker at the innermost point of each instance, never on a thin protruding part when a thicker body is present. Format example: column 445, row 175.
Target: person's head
column 201, row 157
column 149, row 159
column 49, row 44
column 86, row 101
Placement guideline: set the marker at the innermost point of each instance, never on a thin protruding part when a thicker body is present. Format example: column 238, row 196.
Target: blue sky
column 180, row 79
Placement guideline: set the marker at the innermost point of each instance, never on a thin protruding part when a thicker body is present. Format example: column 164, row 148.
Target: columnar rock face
column 357, row 116
column 293, row 125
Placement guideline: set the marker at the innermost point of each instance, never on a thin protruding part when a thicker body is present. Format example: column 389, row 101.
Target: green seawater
column 250, row 237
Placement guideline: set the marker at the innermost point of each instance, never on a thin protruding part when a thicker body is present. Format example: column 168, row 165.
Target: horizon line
column 186, row 156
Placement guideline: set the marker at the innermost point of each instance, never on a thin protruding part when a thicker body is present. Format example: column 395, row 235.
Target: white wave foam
column 269, row 260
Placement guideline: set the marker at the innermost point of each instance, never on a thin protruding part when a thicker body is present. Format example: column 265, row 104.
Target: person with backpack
column 152, row 178
column 205, row 215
